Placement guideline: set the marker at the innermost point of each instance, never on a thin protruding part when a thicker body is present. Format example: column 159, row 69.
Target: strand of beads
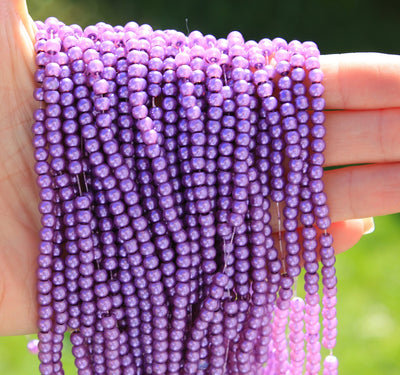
column 164, row 163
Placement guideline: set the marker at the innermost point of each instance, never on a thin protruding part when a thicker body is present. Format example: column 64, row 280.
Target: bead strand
column 48, row 262
column 52, row 96
column 296, row 336
column 264, row 89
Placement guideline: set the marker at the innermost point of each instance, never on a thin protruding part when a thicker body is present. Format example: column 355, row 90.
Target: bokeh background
column 369, row 274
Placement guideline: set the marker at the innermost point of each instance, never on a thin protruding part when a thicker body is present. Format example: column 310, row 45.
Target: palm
column 18, row 202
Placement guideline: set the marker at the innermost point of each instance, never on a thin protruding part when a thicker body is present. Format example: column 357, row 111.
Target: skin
column 364, row 87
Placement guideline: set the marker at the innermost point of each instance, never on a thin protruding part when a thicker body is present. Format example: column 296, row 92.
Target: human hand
column 364, row 86
column 363, row 130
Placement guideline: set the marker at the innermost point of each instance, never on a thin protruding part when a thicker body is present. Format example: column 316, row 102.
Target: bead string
column 162, row 160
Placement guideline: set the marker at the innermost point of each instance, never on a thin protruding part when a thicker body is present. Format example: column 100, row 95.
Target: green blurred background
column 369, row 277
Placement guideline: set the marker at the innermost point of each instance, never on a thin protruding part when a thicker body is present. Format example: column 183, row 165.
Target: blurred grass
column 369, row 304
column 16, row 360
column 368, row 311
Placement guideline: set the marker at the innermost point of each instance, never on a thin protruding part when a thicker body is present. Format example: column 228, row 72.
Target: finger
column 361, row 80
column 345, row 235
column 355, row 137
column 14, row 9
column 354, row 193
column 17, row 31
column 18, row 58
column 363, row 191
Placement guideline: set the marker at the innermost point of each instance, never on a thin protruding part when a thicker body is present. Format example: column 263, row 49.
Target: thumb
column 16, row 12
column 17, row 6
column 17, row 65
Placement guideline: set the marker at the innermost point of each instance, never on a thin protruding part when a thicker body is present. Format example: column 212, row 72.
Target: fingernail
column 369, row 225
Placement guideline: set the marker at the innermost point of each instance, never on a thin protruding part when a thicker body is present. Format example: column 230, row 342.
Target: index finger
column 361, row 80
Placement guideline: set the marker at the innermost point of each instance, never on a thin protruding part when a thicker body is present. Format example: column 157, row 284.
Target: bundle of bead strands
column 161, row 159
